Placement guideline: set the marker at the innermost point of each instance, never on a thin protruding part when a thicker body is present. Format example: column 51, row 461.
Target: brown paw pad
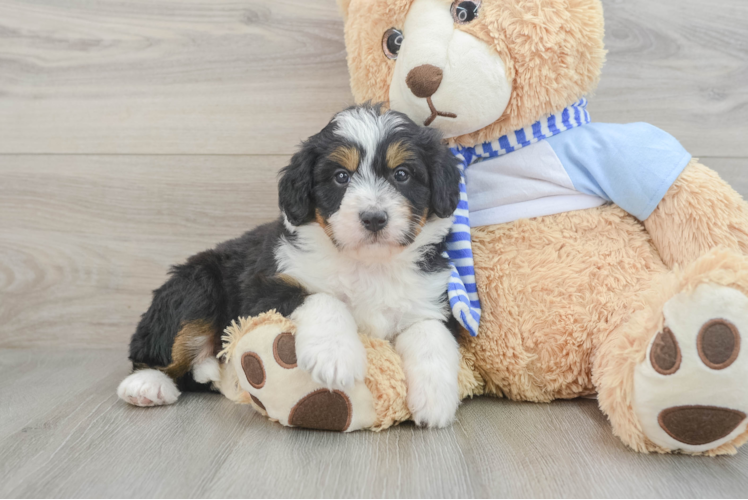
column 284, row 350
column 254, row 370
column 699, row 425
column 665, row 355
column 258, row 402
column 719, row 344
column 322, row 410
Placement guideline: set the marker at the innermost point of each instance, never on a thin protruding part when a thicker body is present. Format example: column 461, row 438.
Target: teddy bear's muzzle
column 424, row 81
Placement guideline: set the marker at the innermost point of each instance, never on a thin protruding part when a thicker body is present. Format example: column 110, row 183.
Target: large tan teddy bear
column 606, row 260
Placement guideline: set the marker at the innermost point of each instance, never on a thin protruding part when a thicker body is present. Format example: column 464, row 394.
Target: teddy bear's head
column 478, row 69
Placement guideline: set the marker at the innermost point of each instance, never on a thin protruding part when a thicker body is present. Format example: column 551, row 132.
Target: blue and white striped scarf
column 463, row 293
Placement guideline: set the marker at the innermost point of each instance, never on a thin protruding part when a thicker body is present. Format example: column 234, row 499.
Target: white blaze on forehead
column 366, row 128
column 368, row 192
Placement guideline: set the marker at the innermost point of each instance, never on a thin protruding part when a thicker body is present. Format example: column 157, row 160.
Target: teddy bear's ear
column 344, row 4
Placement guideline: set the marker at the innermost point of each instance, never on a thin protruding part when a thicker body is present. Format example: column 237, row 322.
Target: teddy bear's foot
column 261, row 353
column 690, row 393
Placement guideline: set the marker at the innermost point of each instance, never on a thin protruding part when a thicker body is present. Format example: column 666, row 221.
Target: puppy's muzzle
column 374, row 221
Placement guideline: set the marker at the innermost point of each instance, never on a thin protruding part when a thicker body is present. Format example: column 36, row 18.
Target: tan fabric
column 385, row 379
column 552, row 49
column 552, row 289
column 700, row 212
column 618, row 356
column 571, row 302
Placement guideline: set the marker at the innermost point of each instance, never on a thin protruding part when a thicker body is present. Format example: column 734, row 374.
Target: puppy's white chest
column 382, row 300
column 385, row 297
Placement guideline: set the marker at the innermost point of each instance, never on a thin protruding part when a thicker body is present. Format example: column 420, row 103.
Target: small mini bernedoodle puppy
column 366, row 206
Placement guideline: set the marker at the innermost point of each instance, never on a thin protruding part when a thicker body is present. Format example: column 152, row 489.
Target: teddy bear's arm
column 698, row 213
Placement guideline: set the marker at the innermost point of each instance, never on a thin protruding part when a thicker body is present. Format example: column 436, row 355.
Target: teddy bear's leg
column 262, row 371
column 698, row 213
column 673, row 378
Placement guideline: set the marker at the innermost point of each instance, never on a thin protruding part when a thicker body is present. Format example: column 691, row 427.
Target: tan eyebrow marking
column 397, row 154
column 324, row 223
column 346, row 156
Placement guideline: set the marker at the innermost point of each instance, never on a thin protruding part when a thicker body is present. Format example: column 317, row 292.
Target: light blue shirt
column 630, row 165
column 558, row 164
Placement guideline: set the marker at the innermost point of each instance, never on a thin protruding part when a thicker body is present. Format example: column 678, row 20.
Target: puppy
column 366, row 205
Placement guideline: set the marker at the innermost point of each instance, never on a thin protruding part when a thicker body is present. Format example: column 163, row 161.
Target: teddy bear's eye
column 465, row 12
column 391, row 43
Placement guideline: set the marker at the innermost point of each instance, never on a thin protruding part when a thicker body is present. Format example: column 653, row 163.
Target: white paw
column 334, row 361
column 432, row 398
column 148, row 388
column 431, row 358
column 690, row 393
column 208, row 370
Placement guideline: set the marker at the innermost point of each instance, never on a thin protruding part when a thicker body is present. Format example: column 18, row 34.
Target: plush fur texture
column 700, row 212
column 552, row 49
column 572, row 302
column 558, row 286
column 627, row 347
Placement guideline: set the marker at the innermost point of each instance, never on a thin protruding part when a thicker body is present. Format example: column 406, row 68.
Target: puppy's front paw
column 334, row 361
column 148, row 388
column 432, row 398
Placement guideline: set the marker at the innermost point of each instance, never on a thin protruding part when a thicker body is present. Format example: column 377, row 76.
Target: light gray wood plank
column 160, row 76
column 35, row 382
column 89, row 444
column 732, row 170
column 256, row 77
column 566, row 450
column 85, row 239
column 681, row 65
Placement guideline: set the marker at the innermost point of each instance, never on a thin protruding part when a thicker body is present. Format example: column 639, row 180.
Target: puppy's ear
column 444, row 175
column 296, row 185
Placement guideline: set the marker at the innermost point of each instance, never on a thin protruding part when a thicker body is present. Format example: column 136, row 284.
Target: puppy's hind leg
column 148, row 387
column 192, row 359
column 173, row 348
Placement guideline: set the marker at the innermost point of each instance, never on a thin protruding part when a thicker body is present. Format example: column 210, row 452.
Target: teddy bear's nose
column 424, row 80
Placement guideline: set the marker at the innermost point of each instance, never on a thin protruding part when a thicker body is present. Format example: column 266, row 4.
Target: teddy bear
column 589, row 259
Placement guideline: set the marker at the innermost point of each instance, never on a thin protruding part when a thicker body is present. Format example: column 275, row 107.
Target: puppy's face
column 371, row 180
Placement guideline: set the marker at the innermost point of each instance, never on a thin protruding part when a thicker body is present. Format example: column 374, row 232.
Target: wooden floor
column 134, row 133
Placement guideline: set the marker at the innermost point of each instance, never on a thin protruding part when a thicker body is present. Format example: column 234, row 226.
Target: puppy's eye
column 465, row 12
column 342, row 177
column 402, row 175
column 391, row 43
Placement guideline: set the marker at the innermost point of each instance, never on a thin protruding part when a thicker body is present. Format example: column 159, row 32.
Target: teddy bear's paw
column 148, row 388
column 690, row 393
column 266, row 363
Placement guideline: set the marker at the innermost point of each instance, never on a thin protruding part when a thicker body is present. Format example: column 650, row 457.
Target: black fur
column 236, row 279
column 239, row 278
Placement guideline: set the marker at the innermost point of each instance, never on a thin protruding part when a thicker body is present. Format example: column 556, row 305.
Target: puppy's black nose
column 374, row 221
